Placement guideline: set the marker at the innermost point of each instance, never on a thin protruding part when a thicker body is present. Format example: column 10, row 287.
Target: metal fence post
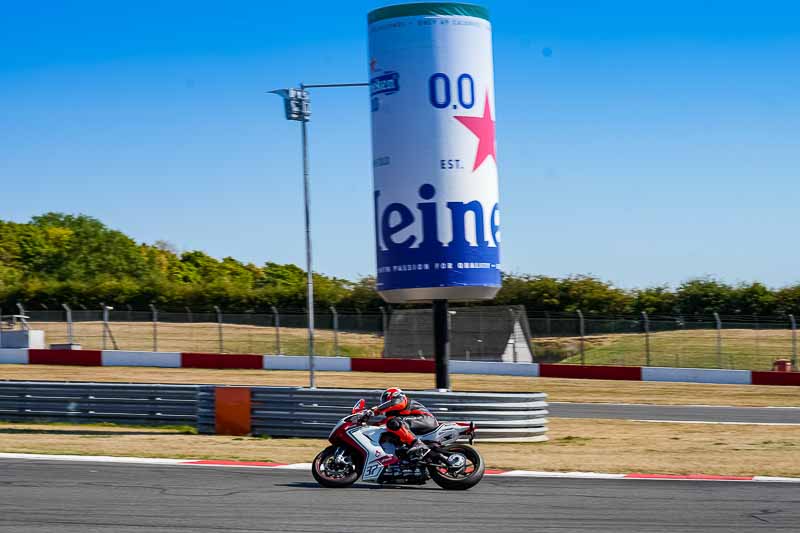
column 130, row 312
column 277, row 317
column 794, row 343
column 154, row 311
column 219, row 329
column 104, row 307
column 582, row 333
column 513, row 332
column 107, row 333
column 335, row 331
column 189, row 315
column 385, row 328
column 547, row 324
column 719, row 339
column 20, row 308
column 755, row 334
column 1, row 327
column 646, row 324
column 70, row 337
column 383, row 321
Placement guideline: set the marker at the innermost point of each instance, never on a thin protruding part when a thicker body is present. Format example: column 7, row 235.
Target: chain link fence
column 741, row 342
column 279, row 332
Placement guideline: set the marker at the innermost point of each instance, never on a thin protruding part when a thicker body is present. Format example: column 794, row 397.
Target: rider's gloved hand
column 369, row 413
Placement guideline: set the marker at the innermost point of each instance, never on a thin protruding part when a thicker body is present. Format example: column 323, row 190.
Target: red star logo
column 483, row 129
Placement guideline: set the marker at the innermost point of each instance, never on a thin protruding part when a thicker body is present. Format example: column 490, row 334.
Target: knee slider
column 394, row 424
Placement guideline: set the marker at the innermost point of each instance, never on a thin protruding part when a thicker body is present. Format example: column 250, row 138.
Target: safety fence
column 507, row 333
column 272, row 411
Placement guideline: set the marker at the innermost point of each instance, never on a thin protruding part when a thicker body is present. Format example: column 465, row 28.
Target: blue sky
column 657, row 142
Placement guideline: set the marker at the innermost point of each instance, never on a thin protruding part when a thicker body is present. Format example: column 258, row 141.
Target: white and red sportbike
column 370, row 452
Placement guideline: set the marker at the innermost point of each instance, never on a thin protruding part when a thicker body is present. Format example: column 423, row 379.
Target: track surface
column 42, row 496
column 694, row 413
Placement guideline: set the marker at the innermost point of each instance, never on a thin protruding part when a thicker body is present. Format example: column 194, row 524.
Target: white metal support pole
column 719, row 339
column 154, row 311
column 794, row 343
column 277, row 329
column 646, row 325
column 513, row 332
column 582, row 332
column 335, row 324
column 105, row 324
column 309, row 266
column 219, row 329
column 69, row 323
column 297, row 107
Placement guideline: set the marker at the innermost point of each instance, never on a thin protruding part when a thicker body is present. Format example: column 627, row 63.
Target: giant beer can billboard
column 434, row 159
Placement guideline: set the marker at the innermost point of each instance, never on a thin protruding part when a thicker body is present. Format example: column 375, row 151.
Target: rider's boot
column 417, row 450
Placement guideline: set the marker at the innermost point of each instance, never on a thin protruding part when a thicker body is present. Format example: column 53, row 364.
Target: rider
column 405, row 418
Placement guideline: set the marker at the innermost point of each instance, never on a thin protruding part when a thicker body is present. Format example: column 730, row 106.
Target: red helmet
column 390, row 394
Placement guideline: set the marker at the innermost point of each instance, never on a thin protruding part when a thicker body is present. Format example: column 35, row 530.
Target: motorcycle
column 373, row 454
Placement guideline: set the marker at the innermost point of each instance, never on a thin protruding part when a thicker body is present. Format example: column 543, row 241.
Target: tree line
column 76, row 259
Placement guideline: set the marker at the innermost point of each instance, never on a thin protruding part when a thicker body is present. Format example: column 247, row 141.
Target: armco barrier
column 274, row 411
column 298, row 412
column 631, row 373
column 696, row 375
column 98, row 402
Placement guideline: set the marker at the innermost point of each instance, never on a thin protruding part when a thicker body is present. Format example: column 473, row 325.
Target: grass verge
column 559, row 390
column 575, row 445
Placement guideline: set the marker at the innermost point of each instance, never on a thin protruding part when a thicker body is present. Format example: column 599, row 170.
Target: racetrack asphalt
column 689, row 413
column 63, row 497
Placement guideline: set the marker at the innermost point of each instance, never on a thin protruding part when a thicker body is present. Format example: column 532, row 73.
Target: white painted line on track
column 571, row 475
column 718, row 423
column 677, row 405
column 296, row 466
column 307, row 467
column 91, row 458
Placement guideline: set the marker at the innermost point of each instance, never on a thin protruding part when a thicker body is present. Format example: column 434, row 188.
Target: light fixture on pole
column 297, row 106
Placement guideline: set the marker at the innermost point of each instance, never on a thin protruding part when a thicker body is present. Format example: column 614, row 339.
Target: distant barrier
column 347, row 364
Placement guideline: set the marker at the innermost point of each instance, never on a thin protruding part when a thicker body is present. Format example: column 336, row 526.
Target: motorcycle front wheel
column 331, row 473
column 465, row 468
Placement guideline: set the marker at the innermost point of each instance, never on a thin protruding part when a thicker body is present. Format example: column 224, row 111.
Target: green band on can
column 428, row 8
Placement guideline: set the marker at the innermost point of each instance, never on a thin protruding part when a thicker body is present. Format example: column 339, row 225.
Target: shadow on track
column 357, row 486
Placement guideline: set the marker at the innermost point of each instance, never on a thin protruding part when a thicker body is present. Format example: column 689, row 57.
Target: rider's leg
column 399, row 428
column 416, row 448
column 421, row 424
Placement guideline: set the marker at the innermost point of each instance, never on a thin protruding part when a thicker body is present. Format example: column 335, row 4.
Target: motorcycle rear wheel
column 319, row 470
column 468, row 478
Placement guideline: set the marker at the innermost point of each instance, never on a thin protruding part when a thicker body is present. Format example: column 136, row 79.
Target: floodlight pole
column 298, row 107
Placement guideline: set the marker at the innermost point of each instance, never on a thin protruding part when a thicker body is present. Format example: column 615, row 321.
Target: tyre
column 331, row 473
column 466, row 471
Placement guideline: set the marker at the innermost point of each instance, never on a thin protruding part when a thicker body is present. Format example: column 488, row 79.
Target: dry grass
column 753, row 349
column 562, row 390
column 204, row 337
column 576, row 444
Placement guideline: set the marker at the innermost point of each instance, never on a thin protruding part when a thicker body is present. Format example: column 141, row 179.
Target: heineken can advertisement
column 437, row 219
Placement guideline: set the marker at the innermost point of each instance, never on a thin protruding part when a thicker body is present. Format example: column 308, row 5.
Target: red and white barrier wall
column 347, row 364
